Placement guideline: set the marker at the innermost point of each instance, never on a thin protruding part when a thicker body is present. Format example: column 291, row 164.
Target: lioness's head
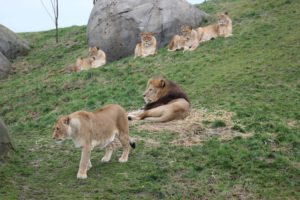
column 94, row 51
column 223, row 18
column 147, row 38
column 186, row 32
column 60, row 128
column 156, row 88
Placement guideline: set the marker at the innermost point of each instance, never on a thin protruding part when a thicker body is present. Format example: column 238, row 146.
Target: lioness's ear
column 97, row 47
column 162, row 83
column 59, row 118
column 67, row 120
column 151, row 33
column 226, row 13
column 190, row 27
column 142, row 33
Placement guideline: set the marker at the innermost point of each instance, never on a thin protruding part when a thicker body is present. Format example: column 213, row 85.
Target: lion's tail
column 132, row 143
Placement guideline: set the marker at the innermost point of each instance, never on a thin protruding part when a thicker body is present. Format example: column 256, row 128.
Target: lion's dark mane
column 175, row 92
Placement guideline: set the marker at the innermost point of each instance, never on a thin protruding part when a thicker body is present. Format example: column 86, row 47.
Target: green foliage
column 255, row 73
column 218, row 123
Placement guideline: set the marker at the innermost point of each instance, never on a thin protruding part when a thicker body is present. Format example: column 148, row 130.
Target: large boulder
column 12, row 45
column 115, row 25
column 4, row 66
column 6, row 143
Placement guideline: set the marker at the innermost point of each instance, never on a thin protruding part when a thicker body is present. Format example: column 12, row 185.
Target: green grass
column 255, row 73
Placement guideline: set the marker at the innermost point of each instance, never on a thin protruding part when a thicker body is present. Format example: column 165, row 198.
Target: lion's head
column 223, row 18
column 60, row 128
column 94, row 51
column 156, row 88
column 186, row 32
column 147, row 38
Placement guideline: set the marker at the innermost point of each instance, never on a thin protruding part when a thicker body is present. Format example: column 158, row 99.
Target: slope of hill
column 255, row 74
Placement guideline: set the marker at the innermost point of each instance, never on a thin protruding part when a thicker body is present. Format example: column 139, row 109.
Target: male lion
column 97, row 58
column 147, row 47
column 90, row 129
column 222, row 29
column 165, row 101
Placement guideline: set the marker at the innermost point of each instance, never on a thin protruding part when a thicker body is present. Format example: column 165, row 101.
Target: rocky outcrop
column 115, row 25
column 4, row 66
column 12, row 45
column 6, row 143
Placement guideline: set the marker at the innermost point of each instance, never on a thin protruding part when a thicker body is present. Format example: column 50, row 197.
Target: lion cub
column 147, row 47
column 97, row 58
column 90, row 129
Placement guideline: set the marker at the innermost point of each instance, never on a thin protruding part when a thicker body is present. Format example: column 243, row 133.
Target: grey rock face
column 6, row 143
column 115, row 25
column 12, row 45
column 4, row 66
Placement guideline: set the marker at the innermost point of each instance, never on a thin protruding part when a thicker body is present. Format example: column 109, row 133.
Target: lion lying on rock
column 90, row 129
column 165, row 101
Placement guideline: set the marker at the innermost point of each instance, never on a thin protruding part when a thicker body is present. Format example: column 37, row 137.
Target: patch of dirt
column 148, row 141
column 191, row 130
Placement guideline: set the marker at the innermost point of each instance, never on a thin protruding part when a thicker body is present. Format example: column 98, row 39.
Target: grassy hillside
column 255, row 74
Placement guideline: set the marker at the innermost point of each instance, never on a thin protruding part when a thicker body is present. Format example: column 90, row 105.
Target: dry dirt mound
column 191, row 130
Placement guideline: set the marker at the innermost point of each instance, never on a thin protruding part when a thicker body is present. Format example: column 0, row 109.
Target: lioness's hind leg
column 124, row 139
column 107, row 156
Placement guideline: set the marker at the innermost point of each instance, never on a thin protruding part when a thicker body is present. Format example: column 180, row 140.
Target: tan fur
column 157, row 89
column 176, row 43
column 90, row 129
column 190, row 38
column 208, row 32
column 147, row 47
column 222, row 29
column 97, row 58
column 225, row 25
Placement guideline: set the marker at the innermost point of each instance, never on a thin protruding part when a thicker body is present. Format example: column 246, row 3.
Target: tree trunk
column 56, row 21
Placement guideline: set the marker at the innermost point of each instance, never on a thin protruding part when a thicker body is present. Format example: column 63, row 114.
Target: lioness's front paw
column 122, row 160
column 104, row 160
column 81, row 175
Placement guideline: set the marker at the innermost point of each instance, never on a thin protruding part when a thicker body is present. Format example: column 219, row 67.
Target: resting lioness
column 225, row 25
column 222, row 29
column 90, row 129
column 165, row 101
column 147, row 47
column 97, row 58
column 176, row 43
column 190, row 38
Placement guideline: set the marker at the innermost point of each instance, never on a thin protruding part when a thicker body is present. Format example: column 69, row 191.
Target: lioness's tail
column 132, row 143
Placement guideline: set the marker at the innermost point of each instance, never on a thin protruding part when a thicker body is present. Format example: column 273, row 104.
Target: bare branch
column 47, row 11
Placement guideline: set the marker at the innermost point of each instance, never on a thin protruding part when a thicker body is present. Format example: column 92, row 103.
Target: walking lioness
column 90, row 129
